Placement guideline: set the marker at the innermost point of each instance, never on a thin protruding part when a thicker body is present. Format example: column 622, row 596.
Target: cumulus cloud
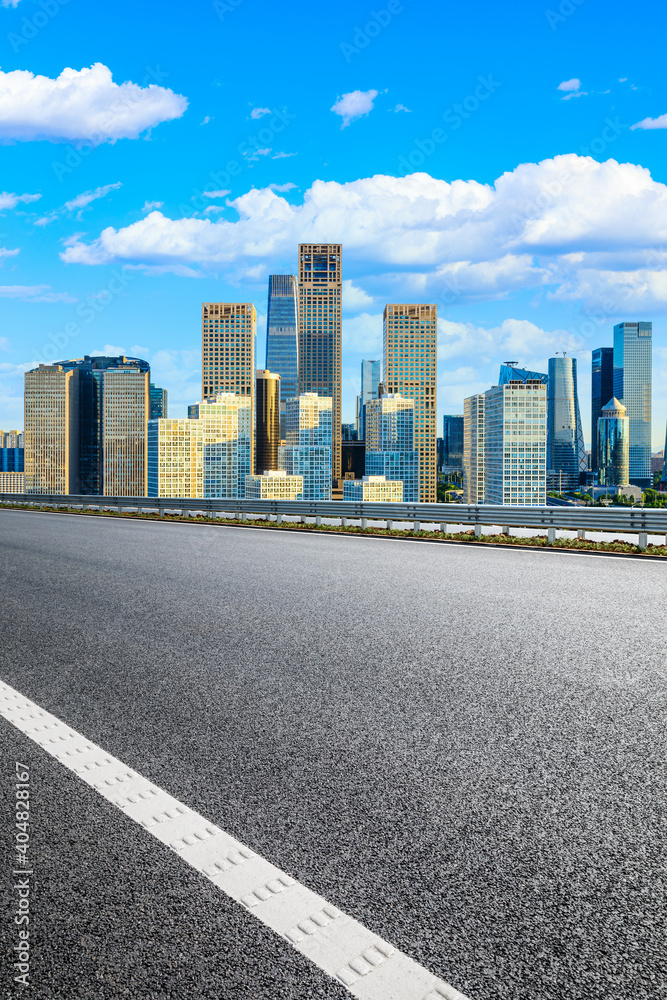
column 545, row 225
column 10, row 3
column 10, row 200
column 216, row 194
column 260, row 112
column 34, row 293
column 82, row 200
column 4, row 252
column 402, row 107
column 568, row 85
column 355, row 298
column 81, row 106
column 660, row 122
column 149, row 206
column 289, row 186
column 356, row 104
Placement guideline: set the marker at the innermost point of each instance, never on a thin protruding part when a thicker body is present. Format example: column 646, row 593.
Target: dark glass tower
column 282, row 333
column 602, row 390
column 267, row 423
column 452, row 441
column 566, row 455
column 632, row 387
column 158, row 402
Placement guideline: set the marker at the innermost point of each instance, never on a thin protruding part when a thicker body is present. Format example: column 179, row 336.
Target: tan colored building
column 410, row 351
column 377, row 489
column 125, row 411
column 274, row 485
column 267, row 421
column 473, row 449
column 320, row 289
column 12, row 482
column 229, row 331
column 51, row 430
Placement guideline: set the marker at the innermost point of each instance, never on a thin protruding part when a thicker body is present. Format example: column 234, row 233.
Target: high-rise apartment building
column 274, row 485
column 390, row 442
column 125, row 412
column 206, row 455
column 602, row 389
column 158, row 402
column 267, row 421
column 52, row 430
column 373, row 489
column 370, row 383
column 229, row 334
column 633, row 387
column 452, row 442
column 320, row 290
column 410, row 349
column 473, row 449
column 515, row 443
column 613, row 444
column 308, row 450
column 566, row 454
column 282, row 332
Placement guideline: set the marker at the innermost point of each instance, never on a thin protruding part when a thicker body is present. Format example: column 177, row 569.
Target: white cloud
column 282, row 156
column 355, row 298
column 82, row 200
column 215, row 194
column 149, row 206
column 260, row 112
column 402, row 107
column 10, row 3
column 9, row 200
column 206, row 120
column 214, row 209
column 356, row 104
column 363, row 334
column 4, row 344
column 647, row 123
column 418, row 235
column 34, row 293
column 289, row 186
column 568, row 85
column 4, row 252
column 81, row 106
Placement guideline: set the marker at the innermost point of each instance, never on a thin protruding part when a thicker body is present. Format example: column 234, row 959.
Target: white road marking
column 367, row 966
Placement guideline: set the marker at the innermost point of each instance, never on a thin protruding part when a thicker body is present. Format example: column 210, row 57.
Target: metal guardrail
column 640, row 521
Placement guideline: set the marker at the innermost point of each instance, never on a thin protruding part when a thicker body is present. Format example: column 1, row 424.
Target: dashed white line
column 366, row 965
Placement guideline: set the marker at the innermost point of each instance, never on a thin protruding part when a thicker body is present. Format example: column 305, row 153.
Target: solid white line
column 369, row 967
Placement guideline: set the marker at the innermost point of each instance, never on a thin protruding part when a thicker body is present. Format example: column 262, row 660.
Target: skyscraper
column 566, row 454
column 267, row 421
column 473, row 449
column 320, row 289
column 510, row 373
column 390, row 444
column 11, row 451
column 125, row 413
column 229, row 332
column 602, row 389
column 282, row 333
column 409, row 346
column 158, row 402
column 632, row 387
column 370, row 382
column 52, row 430
column 613, row 439
column 308, row 449
column 515, row 439
column 452, row 441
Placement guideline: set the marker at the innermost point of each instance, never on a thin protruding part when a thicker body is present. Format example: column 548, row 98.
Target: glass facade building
column 566, row 454
column 515, row 444
column 473, row 449
column 602, row 389
column 275, row 485
column 125, row 413
column 510, row 373
column 370, row 384
column 320, row 291
column 613, row 445
column 12, row 456
column 390, row 442
column 633, row 387
column 452, row 441
column 158, row 402
column 308, row 451
column 374, row 489
column 282, row 332
column 267, row 421
column 52, row 430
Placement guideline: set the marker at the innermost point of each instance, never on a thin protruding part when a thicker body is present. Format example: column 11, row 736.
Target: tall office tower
column 370, row 381
column 320, row 289
column 11, row 451
column 452, row 442
column 566, row 454
column 613, row 444
column 267, row 421
column 664, row 467
column 125, row 412
column 308, row 450
column 390, row 442
column 410, row 344
column 473, row 449
column 510, row 373
column 602, row 389
column 206, row 455
column 282, row 333
column 515, row 442
column 229, row 333
column 158, row 402
column 632, row 387
column 52, row 430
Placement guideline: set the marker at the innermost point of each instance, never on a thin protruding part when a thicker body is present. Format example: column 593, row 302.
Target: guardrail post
column 551, row 535
column 244, row 516
column 318, row 520
column 643, row 540
column 444, row 528
column 279, row 518
column 343, row 522
column 477, row 530
column 140, row 510
column 417, row 526
column 390, row 525
column 302, row 519
column 505, row 529
column 581, row 533
column 364, row 523
column 161, row 511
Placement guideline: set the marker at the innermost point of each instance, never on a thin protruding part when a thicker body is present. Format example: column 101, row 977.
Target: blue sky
column 485, row 162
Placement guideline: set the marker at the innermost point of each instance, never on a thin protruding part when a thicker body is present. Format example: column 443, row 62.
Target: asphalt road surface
column 463, row 748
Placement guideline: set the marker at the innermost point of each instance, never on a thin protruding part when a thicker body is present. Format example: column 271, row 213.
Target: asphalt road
column 463, row 748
